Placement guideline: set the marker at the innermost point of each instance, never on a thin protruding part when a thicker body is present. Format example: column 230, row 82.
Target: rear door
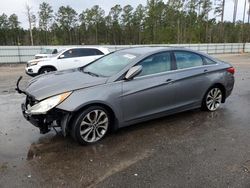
column 152, row 91
column 87, row 55
column 190, row 79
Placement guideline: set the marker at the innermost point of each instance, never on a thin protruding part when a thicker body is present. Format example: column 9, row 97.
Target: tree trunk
column 223, row 10
column 235, row 10
column 178, row 31
column 96, row 34
column 248, row 20
column 29, row 14
column 31, row 37
column 242, row 26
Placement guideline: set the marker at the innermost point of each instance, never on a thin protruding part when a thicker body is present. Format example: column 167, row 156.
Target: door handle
column 205, row 71
column 169, row 81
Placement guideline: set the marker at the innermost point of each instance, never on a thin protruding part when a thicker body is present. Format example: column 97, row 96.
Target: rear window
column 209, row 61
column 187, row 60
column 98, row 52
column 88, row 52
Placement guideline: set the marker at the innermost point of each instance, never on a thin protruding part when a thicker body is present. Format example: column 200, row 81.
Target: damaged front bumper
column 53, row 118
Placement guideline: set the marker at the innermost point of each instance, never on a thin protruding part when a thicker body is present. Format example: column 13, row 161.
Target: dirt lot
column 190, row 149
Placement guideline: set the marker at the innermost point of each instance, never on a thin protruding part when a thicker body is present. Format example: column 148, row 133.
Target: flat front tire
column 91, row 125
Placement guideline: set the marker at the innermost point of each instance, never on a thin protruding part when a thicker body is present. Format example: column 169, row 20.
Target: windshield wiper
column 91, row 73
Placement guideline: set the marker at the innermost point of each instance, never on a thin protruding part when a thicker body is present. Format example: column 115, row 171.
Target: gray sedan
column 126, row 87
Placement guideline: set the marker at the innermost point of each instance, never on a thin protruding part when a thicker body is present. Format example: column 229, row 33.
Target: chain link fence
column 22, row 54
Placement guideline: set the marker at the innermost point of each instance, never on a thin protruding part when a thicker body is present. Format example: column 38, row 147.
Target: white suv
column 65, row 59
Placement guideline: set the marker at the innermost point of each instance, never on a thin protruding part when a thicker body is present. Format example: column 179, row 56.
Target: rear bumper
column 229, row 92
column 54, row 118
column 230, row 85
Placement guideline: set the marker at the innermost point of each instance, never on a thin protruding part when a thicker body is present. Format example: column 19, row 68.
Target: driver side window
column 156, row 63
column 70, row 54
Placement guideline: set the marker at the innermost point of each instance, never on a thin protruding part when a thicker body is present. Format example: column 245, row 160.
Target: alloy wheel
column 94, row 126
column 214, row 99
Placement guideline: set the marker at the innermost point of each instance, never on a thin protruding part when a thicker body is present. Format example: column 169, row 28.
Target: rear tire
column 91, row 125
column 212, row 99
column 46, row 70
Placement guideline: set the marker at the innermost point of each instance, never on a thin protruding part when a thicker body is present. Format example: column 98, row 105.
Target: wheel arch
column 111, row 112
column 223, row 89
column 47, row 66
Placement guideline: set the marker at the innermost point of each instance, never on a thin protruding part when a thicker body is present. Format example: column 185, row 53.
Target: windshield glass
column 46, row 51
column 54, row 55
column 111, row 64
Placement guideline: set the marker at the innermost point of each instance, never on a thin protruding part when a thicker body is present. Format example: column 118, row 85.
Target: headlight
column 33, row 63
column 44, row 106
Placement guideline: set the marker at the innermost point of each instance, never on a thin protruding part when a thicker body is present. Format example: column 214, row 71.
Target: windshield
column 47, row 51
column 111, row 64
column 60, row 51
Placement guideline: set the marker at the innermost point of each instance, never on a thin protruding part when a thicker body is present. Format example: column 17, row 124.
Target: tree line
column 158, row 22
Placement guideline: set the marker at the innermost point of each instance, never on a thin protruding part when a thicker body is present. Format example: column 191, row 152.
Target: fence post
column 19, row 55
column 245, row 48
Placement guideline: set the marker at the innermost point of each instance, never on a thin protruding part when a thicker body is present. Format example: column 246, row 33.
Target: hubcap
column 94, row 126
column 214, row 98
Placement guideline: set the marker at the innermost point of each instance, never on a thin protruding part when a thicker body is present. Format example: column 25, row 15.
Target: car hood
column 40, row 59
column 59, row 82
column 43, row 54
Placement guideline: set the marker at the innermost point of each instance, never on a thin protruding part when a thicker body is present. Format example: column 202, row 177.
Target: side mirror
column 54, row 51
column 132, row 72
column 61, row 56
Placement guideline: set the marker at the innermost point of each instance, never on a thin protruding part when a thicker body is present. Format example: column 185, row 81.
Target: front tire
column 46, row 70
column 212, row 99
column 91, row 125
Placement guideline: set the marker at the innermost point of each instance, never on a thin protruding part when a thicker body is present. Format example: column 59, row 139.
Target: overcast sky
column 18, row 6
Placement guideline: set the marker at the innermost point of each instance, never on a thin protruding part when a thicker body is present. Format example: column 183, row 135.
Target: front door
column 69, row 60
column 152, row 91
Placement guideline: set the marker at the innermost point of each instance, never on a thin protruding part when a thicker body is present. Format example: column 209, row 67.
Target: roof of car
column 93, row 47
column 105, row 50
column 154, row 49
column 149, row 49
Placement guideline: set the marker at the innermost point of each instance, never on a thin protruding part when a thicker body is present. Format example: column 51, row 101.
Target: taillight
column 231, row 70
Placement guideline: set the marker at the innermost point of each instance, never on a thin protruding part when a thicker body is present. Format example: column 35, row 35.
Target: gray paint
column 139, row 99
column 59, row 82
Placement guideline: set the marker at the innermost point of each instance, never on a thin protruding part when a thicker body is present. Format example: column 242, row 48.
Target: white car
column 65, row 59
